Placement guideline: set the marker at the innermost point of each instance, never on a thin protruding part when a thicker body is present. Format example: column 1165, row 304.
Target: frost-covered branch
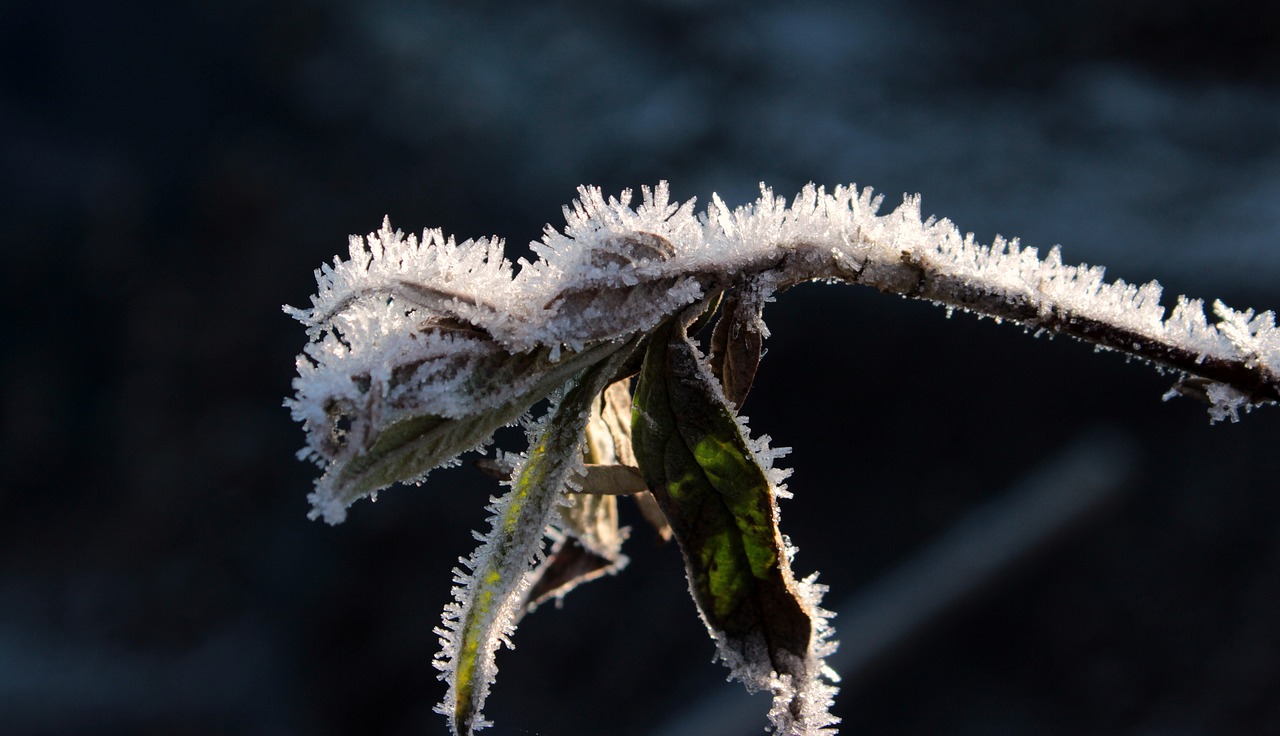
column 420, row 349
column 410, row 327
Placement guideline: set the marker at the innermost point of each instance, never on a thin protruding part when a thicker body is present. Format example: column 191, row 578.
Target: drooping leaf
column 721, row 505
column 487, row 600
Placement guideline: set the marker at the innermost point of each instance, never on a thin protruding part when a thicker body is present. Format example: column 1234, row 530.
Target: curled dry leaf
column 569, row 565
column 736, row 345
column 616, row 414
column 591, row 545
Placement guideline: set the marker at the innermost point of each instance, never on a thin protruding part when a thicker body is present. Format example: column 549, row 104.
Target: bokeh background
column 172, row 173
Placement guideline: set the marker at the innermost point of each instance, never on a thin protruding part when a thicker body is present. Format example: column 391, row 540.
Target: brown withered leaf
column 616, row 415
column 612, row 480
column 736, row 345
column 569, row 565
column 592, row 545
column 652, row 513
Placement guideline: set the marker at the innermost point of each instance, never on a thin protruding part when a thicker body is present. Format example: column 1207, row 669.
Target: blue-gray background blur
column 172, row 173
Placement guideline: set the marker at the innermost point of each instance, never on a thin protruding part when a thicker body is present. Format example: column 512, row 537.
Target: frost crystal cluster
column 421, row 348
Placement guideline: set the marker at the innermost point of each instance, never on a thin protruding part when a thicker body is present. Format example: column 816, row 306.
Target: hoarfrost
column 405, row 325
column 420, row 348
column 489, row 591
column 1225, row 402
column 801, row 702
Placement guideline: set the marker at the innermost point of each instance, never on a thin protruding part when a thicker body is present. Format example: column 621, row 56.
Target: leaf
column 487, row 601
column 653, row 514
column 407, row 449
column 592, row 546
column 590, row 515
column 616, row 416
column 721, row 506
column 736, row 344
column 595, row 480
column 612, row 480
column 569, row 565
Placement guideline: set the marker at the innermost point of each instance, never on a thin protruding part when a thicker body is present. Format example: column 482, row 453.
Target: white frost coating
column 1253, row 336
column 1225, row 402
column 765, row 455
column 421, row 347
column 470, row 278
column 472, row 281
column 801, row 705
column 410, row 326
column 816, row 695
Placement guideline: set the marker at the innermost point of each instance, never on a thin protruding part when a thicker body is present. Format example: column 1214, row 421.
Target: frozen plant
column 421, row 348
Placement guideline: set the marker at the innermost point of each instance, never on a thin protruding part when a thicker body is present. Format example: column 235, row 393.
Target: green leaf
column 720, row 503
column 488, row 599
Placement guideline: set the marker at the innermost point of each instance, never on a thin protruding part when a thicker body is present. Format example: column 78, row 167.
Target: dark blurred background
column 172, row 173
